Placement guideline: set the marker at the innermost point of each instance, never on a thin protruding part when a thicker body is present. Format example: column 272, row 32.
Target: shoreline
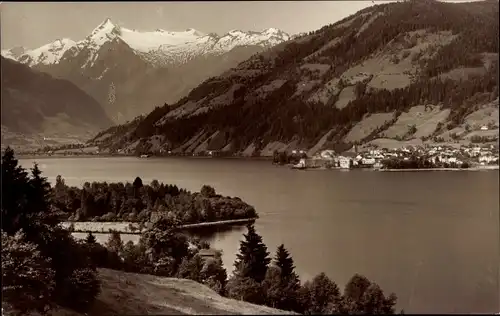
column 106, row 227
column 59, row 156
column 442, row 169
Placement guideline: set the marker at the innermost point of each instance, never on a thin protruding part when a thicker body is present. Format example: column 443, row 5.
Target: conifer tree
column 284, row 261
column 41, row 191
column 90, row 239
column 14, row 192
column 253, row 259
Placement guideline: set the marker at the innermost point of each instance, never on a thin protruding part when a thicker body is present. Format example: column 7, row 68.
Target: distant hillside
column 140, row 294
column 130, row 72
column 36, row 103
column 407, row 72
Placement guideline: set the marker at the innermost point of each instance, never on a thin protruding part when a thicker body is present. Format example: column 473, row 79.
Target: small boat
column 144, row 156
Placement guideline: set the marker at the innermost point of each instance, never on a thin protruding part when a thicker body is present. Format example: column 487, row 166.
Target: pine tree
column 90, row 239
column 253, row 259
column 285, row 263
column 14, row 188
column 40, row 197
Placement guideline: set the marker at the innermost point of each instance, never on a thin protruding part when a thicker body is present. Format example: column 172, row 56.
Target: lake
column 431, row 237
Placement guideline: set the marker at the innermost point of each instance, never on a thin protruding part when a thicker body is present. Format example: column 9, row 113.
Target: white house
column 368, row 161
column 345, row 162
column 487, row 158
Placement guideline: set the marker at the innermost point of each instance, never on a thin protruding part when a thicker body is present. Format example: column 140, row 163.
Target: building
column 344, row 162
column 368, row 161
column 487, row 159
column 207, row 253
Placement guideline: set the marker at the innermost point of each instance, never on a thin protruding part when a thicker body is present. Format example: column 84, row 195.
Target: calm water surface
column 431, row 237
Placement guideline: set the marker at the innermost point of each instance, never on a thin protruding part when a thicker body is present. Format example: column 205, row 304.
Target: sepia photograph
column 250, row 157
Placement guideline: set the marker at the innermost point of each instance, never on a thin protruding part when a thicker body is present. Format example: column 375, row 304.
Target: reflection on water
column 432, row 238
column 209, row 233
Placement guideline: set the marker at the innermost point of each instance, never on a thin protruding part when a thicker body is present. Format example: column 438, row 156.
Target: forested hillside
column 34, row 102
column 413, row 70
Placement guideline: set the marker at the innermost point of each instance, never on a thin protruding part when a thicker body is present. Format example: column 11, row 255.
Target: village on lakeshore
column 448, row 156
column 439, row 157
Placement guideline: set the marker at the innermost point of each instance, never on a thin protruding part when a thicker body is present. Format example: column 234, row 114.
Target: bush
column 214, row 275
column 191, row 268
column 27, row 277
column 245, row 289
column 80, row 289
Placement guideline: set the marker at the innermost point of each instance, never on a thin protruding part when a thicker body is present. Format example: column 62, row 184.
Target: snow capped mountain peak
column 13, row 53
column 235, row 32
column 62, row 42
column 47, row 54
column 194, row 32
column 105, row 31
column 106, row 24
column 271, row 30
column 159, row 47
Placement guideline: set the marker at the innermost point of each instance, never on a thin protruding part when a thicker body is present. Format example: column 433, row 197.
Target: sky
column 33, row 24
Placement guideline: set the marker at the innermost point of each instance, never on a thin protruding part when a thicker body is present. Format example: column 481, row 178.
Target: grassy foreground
column 142, row 294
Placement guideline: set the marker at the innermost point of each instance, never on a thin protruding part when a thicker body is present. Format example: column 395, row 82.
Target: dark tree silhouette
column 137, row 183
column 253, row 259
column 26, row 206
column 284, row 261
column 90, row 239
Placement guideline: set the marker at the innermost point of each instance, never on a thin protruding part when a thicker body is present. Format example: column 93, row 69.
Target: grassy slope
column 139, row 294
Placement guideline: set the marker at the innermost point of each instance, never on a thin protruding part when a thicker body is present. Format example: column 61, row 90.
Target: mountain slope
column 130, row 72
column 346, row 83
column 34, row 102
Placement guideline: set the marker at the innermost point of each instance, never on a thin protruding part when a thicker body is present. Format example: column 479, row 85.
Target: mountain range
column 392, row 74
column 129, row 72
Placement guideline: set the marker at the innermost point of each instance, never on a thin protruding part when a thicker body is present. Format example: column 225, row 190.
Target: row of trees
column 136, row 202
column 421, row 163
column 161, row 251
column 257, row 278
column 283, row 158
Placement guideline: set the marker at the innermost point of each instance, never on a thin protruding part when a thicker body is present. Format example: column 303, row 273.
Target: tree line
column 138, row 202
column 257, row 278
column 44, row 267
column 415, row 162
